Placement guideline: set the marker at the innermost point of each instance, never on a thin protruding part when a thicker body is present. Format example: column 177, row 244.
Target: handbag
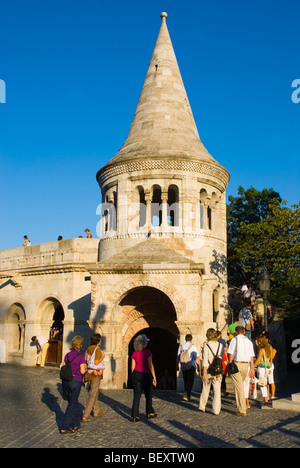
column 233, row 368
column 263, row 381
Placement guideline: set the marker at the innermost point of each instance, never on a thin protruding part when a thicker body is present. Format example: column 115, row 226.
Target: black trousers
column 188, row 378
column 141, row 382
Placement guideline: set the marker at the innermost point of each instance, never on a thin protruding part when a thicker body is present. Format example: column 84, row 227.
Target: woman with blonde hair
column 265, row 365
column 212, row 349
column 71, row 390
column 143, row 377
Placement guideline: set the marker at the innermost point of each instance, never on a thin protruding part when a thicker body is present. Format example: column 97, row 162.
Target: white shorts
column 262, row 372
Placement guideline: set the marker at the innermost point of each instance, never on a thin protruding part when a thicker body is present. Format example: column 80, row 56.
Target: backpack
column 185, row 359
column 216, row 367
column 66, row 371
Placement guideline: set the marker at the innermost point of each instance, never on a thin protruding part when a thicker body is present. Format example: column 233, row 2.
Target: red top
column 141, row 360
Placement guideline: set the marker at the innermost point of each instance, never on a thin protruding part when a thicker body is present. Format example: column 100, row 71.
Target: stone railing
column 68, row 251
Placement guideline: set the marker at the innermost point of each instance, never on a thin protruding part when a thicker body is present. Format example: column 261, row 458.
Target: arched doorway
column 163, row 346
column 150, row 311
column 52, row 327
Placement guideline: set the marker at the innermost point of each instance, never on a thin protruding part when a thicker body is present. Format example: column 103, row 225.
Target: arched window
column 114, row 215
column 15, row 329
column 109, row 210
column 216, row 305
column 209, row 218
column 203, row 197
column 205, row 210
column 173, row 206
column 143, row 207
column 156, row 207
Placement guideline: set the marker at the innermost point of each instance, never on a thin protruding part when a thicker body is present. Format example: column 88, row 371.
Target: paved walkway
column 32, row 409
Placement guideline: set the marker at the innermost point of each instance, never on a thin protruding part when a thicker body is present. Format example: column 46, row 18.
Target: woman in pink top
column 143, row 377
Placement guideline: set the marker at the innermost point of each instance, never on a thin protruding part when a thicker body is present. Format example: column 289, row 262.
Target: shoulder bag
column 232, row 367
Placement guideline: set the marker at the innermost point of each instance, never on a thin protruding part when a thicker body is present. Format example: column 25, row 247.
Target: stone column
column 148, row 210
column 164, row 224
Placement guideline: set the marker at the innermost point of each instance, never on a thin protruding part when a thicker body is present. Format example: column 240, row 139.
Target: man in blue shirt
column 246, row 318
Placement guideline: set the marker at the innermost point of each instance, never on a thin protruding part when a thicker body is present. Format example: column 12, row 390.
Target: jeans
column 72, row 417
column 141, row 382
column 188, row 378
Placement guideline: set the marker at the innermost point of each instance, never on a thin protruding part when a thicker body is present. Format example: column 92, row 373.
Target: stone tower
column 160, row 265
column 162, row 253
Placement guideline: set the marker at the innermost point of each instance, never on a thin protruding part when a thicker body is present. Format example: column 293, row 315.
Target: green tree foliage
column 263, row 230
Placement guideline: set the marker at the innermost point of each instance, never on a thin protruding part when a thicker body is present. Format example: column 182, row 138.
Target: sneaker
column 136, row 419
column 268, row 405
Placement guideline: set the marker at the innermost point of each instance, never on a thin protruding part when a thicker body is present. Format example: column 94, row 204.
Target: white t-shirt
column 241, row 348
column 42, row 340
column 193, row 351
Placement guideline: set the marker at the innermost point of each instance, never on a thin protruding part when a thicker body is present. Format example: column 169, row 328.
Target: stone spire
column 163, row 126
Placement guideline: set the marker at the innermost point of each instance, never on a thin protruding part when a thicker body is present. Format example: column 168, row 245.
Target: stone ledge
column 290, row 404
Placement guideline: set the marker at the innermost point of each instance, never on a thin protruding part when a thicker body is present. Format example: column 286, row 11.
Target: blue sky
column 74, row 71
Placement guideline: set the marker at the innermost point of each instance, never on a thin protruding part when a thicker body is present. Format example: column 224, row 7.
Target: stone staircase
column 292, row 403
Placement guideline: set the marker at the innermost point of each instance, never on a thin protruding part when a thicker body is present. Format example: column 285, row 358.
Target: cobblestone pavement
column 32, row 409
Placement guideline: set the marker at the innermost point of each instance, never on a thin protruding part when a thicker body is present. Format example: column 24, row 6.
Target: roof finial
column 164, row 15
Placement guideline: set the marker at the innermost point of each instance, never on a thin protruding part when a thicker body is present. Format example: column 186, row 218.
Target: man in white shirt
column 42, row 345
column 189, row 374
column 241, row 351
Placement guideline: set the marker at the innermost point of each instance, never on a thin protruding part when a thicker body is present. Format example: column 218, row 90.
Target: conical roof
column 163, row 126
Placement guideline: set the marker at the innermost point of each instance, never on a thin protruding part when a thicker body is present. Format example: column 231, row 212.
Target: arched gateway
column 148, row 310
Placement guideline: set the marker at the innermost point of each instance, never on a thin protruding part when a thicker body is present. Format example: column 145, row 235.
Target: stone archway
column 149, row 310
column 51, row 316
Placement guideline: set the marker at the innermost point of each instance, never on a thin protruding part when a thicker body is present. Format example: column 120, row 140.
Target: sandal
column 86, row 419
column 67, row 431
